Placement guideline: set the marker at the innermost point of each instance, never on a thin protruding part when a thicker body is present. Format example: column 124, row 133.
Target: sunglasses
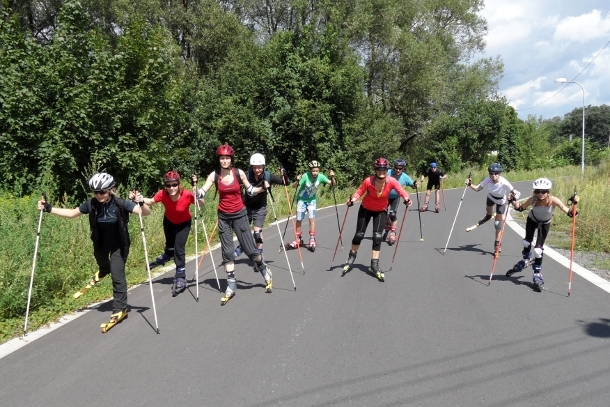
column 541, row 191
column 102, row 192
column 171, row 185
column 381, row 169
column 398, row 168
column 494, row 173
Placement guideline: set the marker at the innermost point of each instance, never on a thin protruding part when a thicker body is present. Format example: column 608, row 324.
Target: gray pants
column 238, row 223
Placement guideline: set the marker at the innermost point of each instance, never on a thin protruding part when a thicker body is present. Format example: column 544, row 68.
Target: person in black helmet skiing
column 108, row 220
column 498, row 187
column 435, row 176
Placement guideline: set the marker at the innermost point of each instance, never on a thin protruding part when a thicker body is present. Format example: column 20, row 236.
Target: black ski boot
column 521, row 265
column 376, row 271
column 179, row 284
column 349, row 263
column 538, row 280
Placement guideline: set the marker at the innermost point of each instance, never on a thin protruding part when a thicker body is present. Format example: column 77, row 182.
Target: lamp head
column 561, row 80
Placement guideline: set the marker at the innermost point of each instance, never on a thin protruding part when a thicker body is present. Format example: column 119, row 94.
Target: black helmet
column 401, row 162
column 495, row 167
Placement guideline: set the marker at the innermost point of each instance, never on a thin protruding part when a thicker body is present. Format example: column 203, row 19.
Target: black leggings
column 364, row 217
column 176, row 236
column 543, row 230
column 111, row 262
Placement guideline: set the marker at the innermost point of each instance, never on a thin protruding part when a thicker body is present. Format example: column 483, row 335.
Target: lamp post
column 564, row 80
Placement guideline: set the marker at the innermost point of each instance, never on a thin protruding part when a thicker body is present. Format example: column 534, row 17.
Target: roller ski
column 226, row 298
column 114, row 319
column 424, row 207
column 231, row 287
column 537, row 278
column 161, row 260
column 312, row 244
column 266, row 273
column 521, row 265
column 295, row 244
column 480, row 222
column 179, row 283
column 269, row 283
column 437, row 208
column 349, row 263
column 375, row 271
column 96, row 279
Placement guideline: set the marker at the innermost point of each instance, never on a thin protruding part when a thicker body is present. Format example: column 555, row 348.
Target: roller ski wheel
column 96, row 279
column 346, row 269
column 424, row 208
column 512, row 271
column 377, row 274
column 349, row 263
column 114, row 319
column 226, row 298
column 473, row 227
column 178, row 286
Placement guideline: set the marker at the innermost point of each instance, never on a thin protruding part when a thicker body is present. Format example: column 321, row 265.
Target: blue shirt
column 403, row 180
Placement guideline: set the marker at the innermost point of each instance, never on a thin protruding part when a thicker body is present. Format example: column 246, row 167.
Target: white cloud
column 583, row 28
column 518, row 95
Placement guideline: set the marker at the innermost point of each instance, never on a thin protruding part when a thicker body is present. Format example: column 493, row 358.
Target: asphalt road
column 433, row 334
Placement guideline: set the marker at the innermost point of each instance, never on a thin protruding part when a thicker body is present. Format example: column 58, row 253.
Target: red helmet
column 382, row 163
column 171, row 176
column 225, row 149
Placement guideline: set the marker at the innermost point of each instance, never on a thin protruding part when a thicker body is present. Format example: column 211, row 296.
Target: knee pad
column 538, row 252
column 526, row 244
column 392, row 216
column 485, row 219
column 358, row 238
column 377, row 239
column 258, row 238
column 498, row 225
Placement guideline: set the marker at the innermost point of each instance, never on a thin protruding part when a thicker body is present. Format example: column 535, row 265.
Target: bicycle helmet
column 171, row 176
column 433, row 165
column 381, row 163
column 495, row 167
column 401, row 162
column 257, row 159
column 225, row 149
column 542, row 183
column 314, row 164
column 101, row 182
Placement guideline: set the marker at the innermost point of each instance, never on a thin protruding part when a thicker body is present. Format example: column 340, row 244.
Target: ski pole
column 27, row 309
column 150, row 283
column 196, row 244
column 497, row 253
column 421, row 236
column 456, row 214
column 207, row 249
column 281, row 238
column 340, row 233
column 443, row 194
column 332, row 186
column 211, row 256
column 400, row 233
column 574, row 201
column 285, row 183
column 294, row 226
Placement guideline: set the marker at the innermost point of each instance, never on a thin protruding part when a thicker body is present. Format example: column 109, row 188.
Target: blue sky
column 542, row 40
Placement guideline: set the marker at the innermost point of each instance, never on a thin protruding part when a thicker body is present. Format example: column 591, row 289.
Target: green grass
column 65, row 259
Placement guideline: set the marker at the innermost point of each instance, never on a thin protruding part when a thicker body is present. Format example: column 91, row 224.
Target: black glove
column 47, row 207
column 407, row 202
column 349, row 203
column 415, row 184
column 571, row 214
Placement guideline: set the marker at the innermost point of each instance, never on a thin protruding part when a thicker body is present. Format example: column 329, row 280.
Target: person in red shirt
column 375, row 190
column 233, row 217
column 176, row 225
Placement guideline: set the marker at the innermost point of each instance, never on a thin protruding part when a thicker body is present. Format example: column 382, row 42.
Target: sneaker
column 162, row 259
column 424, row 207
column 237, row 251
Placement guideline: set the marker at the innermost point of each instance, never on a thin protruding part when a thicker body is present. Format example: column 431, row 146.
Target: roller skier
column 435, row 175
column 403, row 179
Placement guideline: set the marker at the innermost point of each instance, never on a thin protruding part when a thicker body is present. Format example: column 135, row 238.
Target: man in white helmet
column 257, row 205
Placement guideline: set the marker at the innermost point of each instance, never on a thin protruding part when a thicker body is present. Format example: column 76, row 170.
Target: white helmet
column 542, row 183
column 101, row 182
column 257, row 159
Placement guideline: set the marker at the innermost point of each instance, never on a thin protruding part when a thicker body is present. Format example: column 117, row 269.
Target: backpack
column 123, row 219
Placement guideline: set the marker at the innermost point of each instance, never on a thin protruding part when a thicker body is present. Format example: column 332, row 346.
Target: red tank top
column 231, row 200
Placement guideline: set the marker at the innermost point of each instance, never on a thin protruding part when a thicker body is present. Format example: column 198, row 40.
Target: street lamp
column 564, row 80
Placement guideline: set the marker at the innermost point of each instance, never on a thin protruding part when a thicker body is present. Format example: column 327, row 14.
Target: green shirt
column 308, row 186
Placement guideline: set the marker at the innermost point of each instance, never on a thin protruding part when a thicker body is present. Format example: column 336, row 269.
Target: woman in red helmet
column 176, row 225
column 376, row 190
column 233, row 217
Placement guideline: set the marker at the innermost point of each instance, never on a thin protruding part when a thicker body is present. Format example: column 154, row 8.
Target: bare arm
column 63, row 212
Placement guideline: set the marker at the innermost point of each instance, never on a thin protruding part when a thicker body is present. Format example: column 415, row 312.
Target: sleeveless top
column 231, row 200
column 541, row 214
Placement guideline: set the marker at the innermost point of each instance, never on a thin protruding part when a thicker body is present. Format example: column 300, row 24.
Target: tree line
column 139, row 87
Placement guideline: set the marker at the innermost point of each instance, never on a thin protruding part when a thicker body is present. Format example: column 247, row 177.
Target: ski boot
column 266, row 273
column 231, row 287
column 497, row 249
column 312, row 242
column 349, row 263
column 296, row 243
column 237, row 251
column 437, row 208
column 114, row 319
column 521, row 265
column 96, row 279
column 537, row 279
column 262, row 258
column 162, row 259
column 392, row 237
column 179, row 284
column 376, row 271
column 424, row 207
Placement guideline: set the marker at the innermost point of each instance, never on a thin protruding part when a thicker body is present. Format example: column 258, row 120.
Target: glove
column 200, row 193
column 573, row 199
column 250, row 190
column 511, row 198
column 349, row 202
column 415, row 184
column 407, row 202
column 515, row 194
column 139, row 199
column 571, row 214
column 47, row 207
column 468, row 182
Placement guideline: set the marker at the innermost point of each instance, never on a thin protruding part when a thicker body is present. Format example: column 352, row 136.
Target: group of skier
column 109, row 217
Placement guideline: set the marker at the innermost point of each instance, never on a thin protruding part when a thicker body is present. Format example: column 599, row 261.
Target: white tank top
column 542, row 214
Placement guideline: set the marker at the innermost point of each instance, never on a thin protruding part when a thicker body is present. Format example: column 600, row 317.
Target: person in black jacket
column 108, row 220
column 257, row 205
